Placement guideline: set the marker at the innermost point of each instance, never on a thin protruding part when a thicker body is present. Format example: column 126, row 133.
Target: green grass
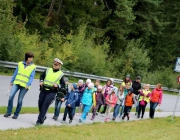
column 34, row 110
column 156, row 129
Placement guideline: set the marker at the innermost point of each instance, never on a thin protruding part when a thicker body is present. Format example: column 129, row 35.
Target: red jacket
column 156, row 96
column 113, row 98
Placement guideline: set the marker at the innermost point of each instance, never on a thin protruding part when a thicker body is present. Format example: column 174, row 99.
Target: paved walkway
column 28, row 120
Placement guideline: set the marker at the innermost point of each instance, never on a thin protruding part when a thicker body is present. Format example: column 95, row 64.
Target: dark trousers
column 99, row 107
column 127, row 110
column 104, row 109
column 152, row 109
column 94, row 109
column 45, row 100
column 69, row 111
column 141, row 108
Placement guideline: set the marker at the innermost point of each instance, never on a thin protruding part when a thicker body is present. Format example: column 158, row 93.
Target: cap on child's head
column 88, row 81
column 90, row 85
column 127, row 76
column 75, row 86
column 131, row 90
column 100, row 87
column 113, row 90
column 138, row 78
column 66, row 79
column 80, row 81
column 112, row 80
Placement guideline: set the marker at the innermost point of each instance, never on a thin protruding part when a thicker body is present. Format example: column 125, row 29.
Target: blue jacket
column 71, row 98
column 87, row 97
column 31, row 78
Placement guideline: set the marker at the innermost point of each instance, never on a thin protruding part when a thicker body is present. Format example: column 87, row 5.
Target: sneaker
column 7, row 115
column 92, row 119
column 15, row 117
column 80, row 120
column 113, row 119
column 70, row 121
column 123, row 117
column 106, row 120
column 102, row 115
column 138, row 117
column 141, row 117
column 55, row 118
column 63, row 121
column 38, row 123
column 128, row 118
column 97, row 113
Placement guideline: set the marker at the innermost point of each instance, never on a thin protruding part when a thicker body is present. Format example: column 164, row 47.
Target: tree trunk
column 50, row 11
column 60, row 4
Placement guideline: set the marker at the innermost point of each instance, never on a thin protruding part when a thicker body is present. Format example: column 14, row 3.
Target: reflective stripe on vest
column 145, row 93
column 23, row 74
column 52, row 77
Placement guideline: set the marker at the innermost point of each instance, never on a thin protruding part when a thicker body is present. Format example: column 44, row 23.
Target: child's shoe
column 106, row 120
column 123, row 117
column 128, row 118
column 70, row 121
column 113, row 119
column 92, row 119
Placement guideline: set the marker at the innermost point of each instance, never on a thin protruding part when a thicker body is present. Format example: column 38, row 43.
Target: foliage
column 102, row 37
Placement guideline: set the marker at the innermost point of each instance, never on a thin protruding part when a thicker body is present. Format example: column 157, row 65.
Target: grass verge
column 157, row 129
column 34, row 110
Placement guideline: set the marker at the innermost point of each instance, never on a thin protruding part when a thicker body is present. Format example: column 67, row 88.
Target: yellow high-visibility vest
column 23, row 74
column 145, row 92
column 52, row 77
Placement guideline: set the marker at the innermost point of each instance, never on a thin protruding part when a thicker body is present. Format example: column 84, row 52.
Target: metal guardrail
column 7, row 64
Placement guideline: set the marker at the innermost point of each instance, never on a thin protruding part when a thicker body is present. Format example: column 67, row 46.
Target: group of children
column 86, row 96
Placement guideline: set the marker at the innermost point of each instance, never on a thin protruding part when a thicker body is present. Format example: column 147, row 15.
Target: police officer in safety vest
column 21, row 80
column 50, row 82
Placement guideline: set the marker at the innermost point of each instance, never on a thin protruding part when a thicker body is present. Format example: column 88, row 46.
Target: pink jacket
column 113, row 98
column 156, row 96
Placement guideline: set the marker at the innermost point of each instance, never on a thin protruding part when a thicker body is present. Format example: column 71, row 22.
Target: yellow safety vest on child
column 145, row 92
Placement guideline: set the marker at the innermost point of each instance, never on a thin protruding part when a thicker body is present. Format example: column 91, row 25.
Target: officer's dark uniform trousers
column 45, row 99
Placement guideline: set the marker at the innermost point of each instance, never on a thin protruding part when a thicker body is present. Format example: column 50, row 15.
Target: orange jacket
column 129, row 99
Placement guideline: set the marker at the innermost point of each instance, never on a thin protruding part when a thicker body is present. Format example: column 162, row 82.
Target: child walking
column 120, row 95
column 87, row 101
column 143, row 100
column 81, row 88
column 129, row 100
column 58, row 102
column 106, row 90
column 71, row 98
column 126, row 88
column 99, row 100
column 111, row 100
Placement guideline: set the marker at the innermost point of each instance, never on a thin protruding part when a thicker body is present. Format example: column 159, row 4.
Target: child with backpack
column 71, row 98
column 58, row 101
column 129, row 101
column 111, row 100
column 98, row 101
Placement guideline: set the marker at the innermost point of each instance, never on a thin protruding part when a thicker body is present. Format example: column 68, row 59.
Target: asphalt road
column 31, row 97
column 29, row 120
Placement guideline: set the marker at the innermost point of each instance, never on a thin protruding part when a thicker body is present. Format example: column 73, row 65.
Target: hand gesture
column 55, row 85
column 41, row 83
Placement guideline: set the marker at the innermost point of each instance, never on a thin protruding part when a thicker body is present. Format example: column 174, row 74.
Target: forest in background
column 102, row 37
